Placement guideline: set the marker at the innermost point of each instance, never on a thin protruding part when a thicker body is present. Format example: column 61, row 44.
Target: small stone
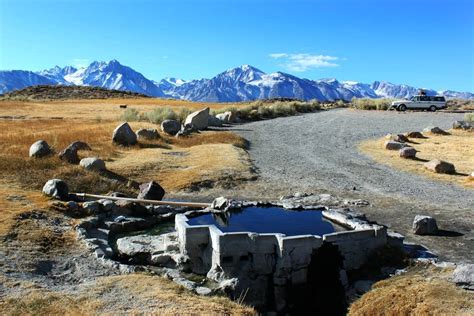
column 440, row 166
column 401, row 138
column 204, row 291
column 220, row 203
column 424, row 225
column 408, row 153
column 148, row 133
column 93, row 164
column 151, row 191
column 393, row 145
column 463, row 275
column 171, row 127
column 124, row 135
column 465, row 125
column 92, row 207
column 56, row 188
column 415, row 135
column 435, row 130
column 40, row 149
column 69, row 155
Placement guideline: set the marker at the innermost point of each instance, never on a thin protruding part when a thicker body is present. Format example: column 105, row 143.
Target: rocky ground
column 318, row 152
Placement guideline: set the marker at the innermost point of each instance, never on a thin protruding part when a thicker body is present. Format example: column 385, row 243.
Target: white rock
column 93, row 164
column 40, row 149
column 424, row 225
column 199, row 119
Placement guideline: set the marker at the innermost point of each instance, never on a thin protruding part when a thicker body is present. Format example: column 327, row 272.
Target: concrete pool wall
column 262, row 259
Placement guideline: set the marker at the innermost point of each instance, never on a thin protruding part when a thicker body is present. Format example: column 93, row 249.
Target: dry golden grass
column 457, row 148
column 101, row 109
column 130, row 294
column 417, row 293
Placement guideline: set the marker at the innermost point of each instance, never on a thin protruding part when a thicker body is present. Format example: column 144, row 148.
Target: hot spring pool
column 268, row 220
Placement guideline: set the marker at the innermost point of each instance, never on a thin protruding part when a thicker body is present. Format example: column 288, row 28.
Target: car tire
column 402, row 107
column 432, row 108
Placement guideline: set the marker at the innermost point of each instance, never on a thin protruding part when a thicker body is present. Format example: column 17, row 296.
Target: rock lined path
column 318, row 152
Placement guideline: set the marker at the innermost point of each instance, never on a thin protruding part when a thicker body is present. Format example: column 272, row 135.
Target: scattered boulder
column 70, row 155
column 424, row 225
column 401, row 138
column 440, row 166
column 79, row 145
column 56, row 188
column 187, row 130
column 408, row 152
column 227, row 117
column 147, row 133
column 93, row 164
column 463, row 276
column 151, row 191
column 463, row 125
column 214, row 121
column 220, row 204
column 200, row 119
column 393, row 145
column 40, row 149
column 92, row 207
column 124, row 135
column 415, row 135
column 435, row 130
column 171, row 127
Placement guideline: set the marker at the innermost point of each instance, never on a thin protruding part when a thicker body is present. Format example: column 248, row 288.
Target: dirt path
column 318, row 153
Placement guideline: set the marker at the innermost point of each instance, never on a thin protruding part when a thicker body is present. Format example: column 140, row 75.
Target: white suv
column 420, row 102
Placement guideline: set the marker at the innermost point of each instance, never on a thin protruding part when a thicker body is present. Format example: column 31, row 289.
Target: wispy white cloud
column 304, row 62
column 80, row 62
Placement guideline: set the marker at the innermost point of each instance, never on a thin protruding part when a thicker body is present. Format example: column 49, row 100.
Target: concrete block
column 349, row 235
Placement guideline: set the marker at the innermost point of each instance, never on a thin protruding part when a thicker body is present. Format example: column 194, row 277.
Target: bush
column 130, row 115
column 183, row 114
column 160, row 114
column 469, row 117
column 370, row 104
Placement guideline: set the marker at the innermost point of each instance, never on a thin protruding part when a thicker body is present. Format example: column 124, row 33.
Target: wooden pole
column 155, row 202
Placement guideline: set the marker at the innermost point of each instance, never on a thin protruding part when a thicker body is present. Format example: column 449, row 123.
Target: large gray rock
column 224, row 117
column 124, row 135
column 151, row 191
column 140, row 244
column 56, row 188
column 147, row 133
column 170, row 127
column 408, row 153
column 199, row 119
column 424, row 225
column 93, row 164
column 440, row 166
column 435, row 130
column 463, row 275
column 40, row 149
column 393, row 145
column 214, row 121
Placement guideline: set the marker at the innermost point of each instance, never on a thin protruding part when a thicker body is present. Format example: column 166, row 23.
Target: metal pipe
column 155, row 202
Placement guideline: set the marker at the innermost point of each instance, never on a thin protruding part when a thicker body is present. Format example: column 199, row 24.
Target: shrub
column 370, row 104
column 183, row 113
column 130, row 115
column 160, row 114
column 469, row 117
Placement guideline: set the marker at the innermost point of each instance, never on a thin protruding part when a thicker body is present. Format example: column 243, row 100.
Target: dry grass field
column 99, row 109
column 423, row 291
column 206, row 159
column 456, row 148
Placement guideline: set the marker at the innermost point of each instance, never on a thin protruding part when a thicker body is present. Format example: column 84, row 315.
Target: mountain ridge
column 244, row 83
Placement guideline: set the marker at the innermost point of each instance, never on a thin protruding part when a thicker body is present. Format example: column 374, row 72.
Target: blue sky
column 421, row 43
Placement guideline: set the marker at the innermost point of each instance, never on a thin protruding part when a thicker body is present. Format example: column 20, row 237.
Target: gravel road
column 318, row 152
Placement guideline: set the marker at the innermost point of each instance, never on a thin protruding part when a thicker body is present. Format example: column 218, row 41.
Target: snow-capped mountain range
column 245, row 83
